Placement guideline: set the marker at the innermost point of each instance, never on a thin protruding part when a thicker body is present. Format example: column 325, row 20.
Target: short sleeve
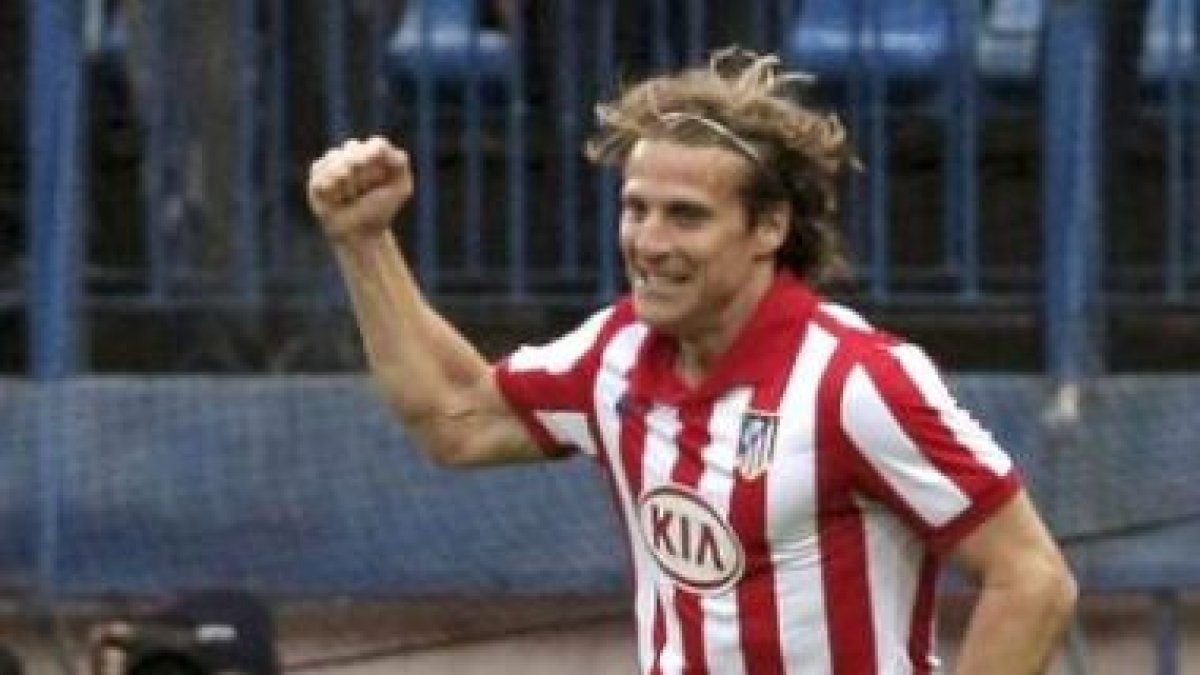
column 549, row 386
column 923, row 454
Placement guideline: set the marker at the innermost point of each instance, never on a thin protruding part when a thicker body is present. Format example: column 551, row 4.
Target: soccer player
column 789, row 478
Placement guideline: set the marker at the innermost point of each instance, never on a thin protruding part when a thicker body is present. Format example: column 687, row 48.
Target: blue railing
column 504, row 211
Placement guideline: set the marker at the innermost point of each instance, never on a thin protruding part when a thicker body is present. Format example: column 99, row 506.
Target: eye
column 633, row 209
column 689, row 216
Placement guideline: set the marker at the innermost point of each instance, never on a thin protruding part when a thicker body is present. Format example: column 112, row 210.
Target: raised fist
column 358, row 187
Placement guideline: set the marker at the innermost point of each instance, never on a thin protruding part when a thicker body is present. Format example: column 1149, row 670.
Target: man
column 789, row 478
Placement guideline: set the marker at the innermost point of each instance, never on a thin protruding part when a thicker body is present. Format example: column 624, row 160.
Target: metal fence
column 979, row 125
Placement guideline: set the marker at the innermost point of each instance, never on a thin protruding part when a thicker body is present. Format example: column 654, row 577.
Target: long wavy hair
column 747, row 103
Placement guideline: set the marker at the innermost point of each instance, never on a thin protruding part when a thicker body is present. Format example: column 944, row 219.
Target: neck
column 699, row 350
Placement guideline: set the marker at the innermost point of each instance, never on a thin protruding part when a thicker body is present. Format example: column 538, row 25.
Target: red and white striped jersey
column 786, row 515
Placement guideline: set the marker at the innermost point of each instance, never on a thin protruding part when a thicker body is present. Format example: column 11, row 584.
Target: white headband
column 675, row 118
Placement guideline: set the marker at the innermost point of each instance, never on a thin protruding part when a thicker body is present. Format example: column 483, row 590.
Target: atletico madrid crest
column 756, row 443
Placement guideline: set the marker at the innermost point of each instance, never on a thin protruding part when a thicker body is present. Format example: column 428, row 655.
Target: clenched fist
column 357, row 188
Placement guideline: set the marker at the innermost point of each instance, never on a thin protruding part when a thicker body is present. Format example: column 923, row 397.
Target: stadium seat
column 1168, row 21
column 834, row 37
column 446, row 37
column 1010, row 39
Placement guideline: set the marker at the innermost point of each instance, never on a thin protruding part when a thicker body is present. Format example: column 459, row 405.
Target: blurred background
column 182, row 400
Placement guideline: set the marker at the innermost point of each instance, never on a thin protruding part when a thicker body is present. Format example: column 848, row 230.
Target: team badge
column 756, row 443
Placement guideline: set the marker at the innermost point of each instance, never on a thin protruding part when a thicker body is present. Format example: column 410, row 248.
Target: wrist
column 363, row 246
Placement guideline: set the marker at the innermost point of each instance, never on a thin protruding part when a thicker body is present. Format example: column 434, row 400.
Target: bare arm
column 1027, row 594
column 431, row 376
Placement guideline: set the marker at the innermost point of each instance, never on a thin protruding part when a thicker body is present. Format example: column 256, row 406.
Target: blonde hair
column 743, row 101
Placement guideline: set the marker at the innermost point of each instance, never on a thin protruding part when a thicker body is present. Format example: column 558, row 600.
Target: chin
column 657, row 317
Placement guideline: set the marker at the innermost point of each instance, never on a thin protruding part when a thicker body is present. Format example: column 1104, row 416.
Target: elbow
column 1042, row 588
column 437, row 426
column 434, row 440
column 1066, row 593
column 437, row 437
column 1057, row 590
column 447, row 456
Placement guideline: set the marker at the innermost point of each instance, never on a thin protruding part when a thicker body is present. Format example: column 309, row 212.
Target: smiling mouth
column 654, row 282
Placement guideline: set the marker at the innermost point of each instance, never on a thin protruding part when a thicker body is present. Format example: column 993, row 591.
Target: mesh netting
column 283, row 485
column 307, row 485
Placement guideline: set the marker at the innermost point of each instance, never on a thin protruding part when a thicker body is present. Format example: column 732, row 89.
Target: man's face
column 692, row 258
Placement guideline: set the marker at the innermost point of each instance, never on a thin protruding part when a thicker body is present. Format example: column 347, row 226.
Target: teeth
column 643, row 279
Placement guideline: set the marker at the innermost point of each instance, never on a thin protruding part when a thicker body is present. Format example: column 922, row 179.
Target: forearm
column 415, row 356
column 1016, row 628
column 437, row 383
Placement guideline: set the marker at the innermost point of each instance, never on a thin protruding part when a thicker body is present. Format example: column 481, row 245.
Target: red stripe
column 758, row 606
column 920, row 636
column 658, row 636
column 693, row 438
column 631, row 450
column 842, row 539
column 923, row 425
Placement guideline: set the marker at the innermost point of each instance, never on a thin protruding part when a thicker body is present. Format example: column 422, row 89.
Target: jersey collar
column 762, row 349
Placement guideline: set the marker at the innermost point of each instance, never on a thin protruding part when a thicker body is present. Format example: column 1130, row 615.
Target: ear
column 771, row 228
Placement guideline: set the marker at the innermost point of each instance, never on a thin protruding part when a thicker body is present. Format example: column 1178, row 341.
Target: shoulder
column 853, row 333
column 589, row 337
column 884, row 357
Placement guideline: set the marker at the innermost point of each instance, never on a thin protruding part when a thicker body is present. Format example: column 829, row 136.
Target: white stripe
column 670, row 660
column 894, row 557
column 562, row 354
column 611, row 383
column 845, row 315
column 722, row 633
column 568, row 428
column 881, row 440
column 791, row 512
column 966, row 430
column 658, row 461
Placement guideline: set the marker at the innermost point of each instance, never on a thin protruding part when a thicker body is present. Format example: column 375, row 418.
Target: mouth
column 657, row 281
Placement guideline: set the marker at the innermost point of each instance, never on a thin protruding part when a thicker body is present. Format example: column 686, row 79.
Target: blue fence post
column 273, row 249
column 55, row 220
column 606, row 186
column 961, row 220
column 569, row 124
column 163, row 140
column 249, row 223
column 518, row 213
column 426, row 163
column 1176, row 112
column 870, row 27
column 1071, row 193
column 472, row 140
column 55, row 185
column 334, row 66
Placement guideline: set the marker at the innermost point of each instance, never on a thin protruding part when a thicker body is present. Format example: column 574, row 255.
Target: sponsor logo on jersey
column 690, row 541
column 756, row 443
